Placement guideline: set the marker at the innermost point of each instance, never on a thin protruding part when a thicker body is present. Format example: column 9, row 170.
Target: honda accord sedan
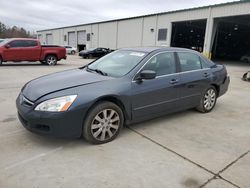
column 123, row 87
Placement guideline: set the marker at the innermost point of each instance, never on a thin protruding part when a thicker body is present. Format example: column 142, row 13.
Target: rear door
column 195, row 78
column 159, row 95
column 31, row 51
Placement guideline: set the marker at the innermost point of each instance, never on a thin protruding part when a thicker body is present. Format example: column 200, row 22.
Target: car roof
column 156, row 48
column 10, row 39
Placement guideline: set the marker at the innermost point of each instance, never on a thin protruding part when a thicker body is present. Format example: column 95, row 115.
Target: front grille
column 44, row 128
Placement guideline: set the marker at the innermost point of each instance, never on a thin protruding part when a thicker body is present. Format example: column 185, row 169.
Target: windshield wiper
column 98, row 71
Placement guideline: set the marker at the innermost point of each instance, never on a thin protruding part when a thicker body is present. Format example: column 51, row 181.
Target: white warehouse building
column 220, row 31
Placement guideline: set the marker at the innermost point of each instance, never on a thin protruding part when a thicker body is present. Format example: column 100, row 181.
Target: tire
column 43, row 62
column 99, row 128
column 73, row 52
column 1, row 60
column 51, row 60
column 90, row 56
column 246, row 76
column 208, row 100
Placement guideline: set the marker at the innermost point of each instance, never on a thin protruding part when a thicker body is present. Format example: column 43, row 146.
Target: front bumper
column 57, row 124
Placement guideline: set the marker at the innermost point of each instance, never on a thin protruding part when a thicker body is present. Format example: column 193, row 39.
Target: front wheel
column 51, row 60
column 208, row 100
column 103, row 123
column 73, row 52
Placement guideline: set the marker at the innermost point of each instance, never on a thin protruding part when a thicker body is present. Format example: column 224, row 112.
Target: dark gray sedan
column 123, row 87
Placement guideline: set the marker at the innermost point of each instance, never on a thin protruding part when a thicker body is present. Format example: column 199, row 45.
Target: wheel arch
column 108, row 98
column 217, row 87
column 113, row 99
column 54, row 54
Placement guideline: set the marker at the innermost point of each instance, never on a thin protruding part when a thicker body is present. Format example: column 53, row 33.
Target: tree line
column 13, row 32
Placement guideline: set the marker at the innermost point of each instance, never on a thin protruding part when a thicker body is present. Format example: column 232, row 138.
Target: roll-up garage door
column 40, row 38
column 72, row 39
column 81, row 37
column 49, row 39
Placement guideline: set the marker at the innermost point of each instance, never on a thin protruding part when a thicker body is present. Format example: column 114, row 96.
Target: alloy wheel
column 209, row 99
column 105, row 124
column 51, row 60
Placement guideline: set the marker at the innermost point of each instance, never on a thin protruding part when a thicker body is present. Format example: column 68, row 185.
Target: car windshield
column 3, row 42
column 117, row 64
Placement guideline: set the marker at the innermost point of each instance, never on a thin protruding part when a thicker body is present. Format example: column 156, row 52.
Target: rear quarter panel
column 220, row 78
column 60, row 52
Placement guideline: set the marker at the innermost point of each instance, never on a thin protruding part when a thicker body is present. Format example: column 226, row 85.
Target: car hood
column 51, row 83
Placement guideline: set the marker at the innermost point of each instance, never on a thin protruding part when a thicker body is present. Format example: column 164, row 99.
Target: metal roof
column 155, row 14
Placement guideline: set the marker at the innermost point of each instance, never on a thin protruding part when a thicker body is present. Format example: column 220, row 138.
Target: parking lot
column 186, row 149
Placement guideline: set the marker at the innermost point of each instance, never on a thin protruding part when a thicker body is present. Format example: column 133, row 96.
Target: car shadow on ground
column 49, row 141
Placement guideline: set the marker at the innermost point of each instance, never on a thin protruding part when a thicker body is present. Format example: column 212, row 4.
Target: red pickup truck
column 22, row 49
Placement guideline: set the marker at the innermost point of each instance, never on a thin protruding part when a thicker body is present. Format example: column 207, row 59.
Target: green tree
column 13, row 32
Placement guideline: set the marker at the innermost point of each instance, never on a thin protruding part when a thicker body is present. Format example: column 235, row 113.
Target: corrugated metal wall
column 143, row 31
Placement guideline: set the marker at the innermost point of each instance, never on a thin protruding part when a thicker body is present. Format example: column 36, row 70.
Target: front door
column 14, row 52
column 31, row 51
column 159, row 95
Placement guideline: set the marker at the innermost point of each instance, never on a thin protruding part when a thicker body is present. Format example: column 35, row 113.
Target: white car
column 70, row 50
column 1, row 40
column 245, row 58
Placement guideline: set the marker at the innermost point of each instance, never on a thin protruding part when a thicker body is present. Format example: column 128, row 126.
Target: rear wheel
column 208, row 100
column 51, row 60
column 73, row 52
column 103, row 123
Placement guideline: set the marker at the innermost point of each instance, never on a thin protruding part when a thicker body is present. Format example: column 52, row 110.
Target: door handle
column 174, row 81
column 206, row 74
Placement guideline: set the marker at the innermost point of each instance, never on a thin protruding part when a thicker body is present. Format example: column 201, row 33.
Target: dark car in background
column 123, row 87
column 94, row 52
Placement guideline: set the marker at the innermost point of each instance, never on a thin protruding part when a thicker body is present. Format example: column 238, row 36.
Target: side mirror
column 7, row 46
column 146, row 75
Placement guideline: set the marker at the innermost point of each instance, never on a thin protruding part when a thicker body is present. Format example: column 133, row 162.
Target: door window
column 17, row 44
column 30, row 43
column 162, row 64
column 22, row 43
column 189, row 61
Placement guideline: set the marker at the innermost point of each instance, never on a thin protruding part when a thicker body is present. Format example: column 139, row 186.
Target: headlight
column 60, row 104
